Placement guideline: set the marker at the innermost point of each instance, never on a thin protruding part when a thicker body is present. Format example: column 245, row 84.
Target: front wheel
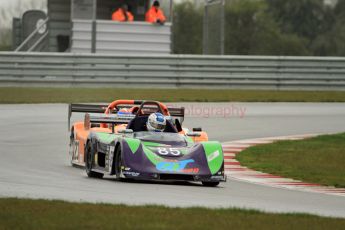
column 89, row 151
column 118, row 163
column 210, row 183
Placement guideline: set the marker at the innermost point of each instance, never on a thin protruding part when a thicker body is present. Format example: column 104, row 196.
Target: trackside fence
column 171, row 71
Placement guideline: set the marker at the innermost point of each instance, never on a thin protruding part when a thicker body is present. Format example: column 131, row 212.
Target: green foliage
column 339, row 10
column 187, row 30
column 251, row 30
column 331, row 43
column 267, row 27
column 302, row 17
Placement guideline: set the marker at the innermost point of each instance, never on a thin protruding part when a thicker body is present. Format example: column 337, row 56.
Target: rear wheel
column 89, row 154
column 210, row 183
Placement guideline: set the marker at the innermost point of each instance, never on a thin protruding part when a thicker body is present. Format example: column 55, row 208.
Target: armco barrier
column 172, row 71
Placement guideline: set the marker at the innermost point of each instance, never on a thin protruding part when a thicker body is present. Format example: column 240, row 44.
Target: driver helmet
column 123, row 112
column 156, row 122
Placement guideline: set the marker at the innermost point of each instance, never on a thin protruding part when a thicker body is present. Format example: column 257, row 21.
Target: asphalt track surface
column 34, row 158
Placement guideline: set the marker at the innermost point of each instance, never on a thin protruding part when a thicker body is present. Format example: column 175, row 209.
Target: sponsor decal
column 134, row 174
column 176, row 166
column 191, row 170
column 212, row 156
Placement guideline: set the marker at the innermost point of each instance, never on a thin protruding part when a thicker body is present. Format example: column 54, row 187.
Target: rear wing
column 111, row 118
column 175, row 112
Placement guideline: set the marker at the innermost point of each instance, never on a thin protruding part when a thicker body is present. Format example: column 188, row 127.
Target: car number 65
column 167, row 151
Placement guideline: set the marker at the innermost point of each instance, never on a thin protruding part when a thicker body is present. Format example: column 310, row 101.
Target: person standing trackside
column 155, row 14
column 122, row 14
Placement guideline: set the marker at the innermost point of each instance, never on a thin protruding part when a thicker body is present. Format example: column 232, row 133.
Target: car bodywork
column 108, row 143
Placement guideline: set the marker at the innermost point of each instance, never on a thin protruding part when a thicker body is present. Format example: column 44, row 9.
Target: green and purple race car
column 115, row 140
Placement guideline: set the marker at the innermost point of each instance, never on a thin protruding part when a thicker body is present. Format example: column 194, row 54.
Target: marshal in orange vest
column 155, row 14
column 122, row 15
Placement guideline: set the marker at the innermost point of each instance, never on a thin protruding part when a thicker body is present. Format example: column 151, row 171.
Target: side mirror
column 126, row 131
column 197, row 129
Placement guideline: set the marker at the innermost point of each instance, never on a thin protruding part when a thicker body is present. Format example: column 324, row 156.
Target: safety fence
column 172, row 71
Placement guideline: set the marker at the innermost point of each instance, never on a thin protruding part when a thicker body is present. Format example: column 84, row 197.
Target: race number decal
column 169, row 151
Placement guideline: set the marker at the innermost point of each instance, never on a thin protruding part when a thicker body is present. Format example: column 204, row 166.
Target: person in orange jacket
column 122, row 14
column 155, row 14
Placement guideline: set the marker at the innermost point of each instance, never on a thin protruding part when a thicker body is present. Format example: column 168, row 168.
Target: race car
column 114, row 140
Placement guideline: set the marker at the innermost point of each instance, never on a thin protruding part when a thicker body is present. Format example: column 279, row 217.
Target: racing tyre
column 89, row 153
column 210, row 183
column 118, row 163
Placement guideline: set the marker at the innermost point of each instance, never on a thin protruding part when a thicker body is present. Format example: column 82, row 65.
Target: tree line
column 267, row 27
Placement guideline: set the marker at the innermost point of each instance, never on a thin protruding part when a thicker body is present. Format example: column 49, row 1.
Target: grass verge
column 317, row 160
column 10, row 95
column 42, row 214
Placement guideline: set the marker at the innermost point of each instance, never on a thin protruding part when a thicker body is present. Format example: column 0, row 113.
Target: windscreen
column 161, row 137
